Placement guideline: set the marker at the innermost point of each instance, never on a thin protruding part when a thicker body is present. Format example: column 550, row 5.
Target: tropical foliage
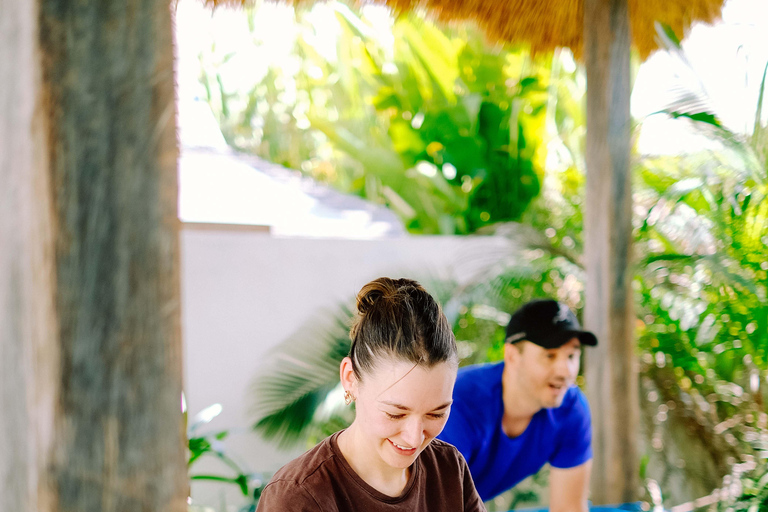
column 211, row 444
column 455, row 137
column 444, row 129
column 701, row 285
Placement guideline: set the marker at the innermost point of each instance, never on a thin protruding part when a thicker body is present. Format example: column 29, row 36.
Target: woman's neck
column 364, row 460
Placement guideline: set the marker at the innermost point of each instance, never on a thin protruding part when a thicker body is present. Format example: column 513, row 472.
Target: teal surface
column 626, row 507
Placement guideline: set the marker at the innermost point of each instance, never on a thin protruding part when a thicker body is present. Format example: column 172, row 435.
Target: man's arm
column 569, row 488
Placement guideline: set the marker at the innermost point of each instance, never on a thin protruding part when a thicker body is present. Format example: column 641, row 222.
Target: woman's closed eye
column 432, row 415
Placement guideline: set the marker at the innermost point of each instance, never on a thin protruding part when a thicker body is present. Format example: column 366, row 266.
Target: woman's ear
column 347, row 376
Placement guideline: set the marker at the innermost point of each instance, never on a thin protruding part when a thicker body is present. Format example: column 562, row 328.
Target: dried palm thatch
column 548, row 24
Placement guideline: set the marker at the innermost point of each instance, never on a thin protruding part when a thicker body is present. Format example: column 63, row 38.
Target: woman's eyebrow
column 404, row 408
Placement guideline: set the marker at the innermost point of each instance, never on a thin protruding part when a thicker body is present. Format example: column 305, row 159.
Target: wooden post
column 610, row 368
column 29, row 356
column 90, row 345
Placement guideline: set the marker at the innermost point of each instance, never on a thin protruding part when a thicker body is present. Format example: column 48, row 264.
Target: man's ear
column 347, row 376
column 512, row 352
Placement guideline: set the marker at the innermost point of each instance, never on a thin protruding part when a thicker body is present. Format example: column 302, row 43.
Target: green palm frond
column 692, row 101
column 299, row 375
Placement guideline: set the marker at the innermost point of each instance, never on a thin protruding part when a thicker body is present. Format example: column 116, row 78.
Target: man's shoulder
column 574, row 403
column 573, row 424
column 476, row 405
column 479, row 380
column 571, row 417
column 477, row 393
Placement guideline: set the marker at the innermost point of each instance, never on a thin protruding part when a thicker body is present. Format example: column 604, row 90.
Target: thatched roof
column 548, row 24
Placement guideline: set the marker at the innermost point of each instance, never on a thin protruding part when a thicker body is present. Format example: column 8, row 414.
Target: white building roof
column 218, row 185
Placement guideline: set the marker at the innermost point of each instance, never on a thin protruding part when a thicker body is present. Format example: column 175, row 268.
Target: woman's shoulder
column 280, row 495
column 294, row 486
column 441, row 454
column 304, row 466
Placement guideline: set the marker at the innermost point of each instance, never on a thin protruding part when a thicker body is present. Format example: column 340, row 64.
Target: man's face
column 544, row 375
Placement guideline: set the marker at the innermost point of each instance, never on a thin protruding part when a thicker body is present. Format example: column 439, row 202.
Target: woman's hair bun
column 373, row 292
column 398, row 317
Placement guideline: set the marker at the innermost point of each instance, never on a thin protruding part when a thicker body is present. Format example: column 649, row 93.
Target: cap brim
column 586, row 338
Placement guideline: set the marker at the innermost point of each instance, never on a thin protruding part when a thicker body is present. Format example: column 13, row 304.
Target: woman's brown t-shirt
column 322, row 480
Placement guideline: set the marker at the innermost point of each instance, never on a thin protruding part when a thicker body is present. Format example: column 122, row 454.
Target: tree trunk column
column 610, row 367
column 90, row 339
column 29, row 359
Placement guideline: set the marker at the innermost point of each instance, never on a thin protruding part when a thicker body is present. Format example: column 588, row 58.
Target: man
column 510, row 418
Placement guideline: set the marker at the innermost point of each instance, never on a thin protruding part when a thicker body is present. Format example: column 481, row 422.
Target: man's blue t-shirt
column 561, row 436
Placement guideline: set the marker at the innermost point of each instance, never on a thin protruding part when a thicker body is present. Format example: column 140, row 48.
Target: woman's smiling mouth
column 403, row 450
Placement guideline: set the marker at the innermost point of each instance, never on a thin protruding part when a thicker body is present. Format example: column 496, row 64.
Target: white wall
column 243, row 292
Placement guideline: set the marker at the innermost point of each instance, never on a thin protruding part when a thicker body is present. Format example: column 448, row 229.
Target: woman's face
column 401, row 407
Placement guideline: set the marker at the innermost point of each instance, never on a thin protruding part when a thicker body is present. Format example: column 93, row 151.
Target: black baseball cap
column 547, row 323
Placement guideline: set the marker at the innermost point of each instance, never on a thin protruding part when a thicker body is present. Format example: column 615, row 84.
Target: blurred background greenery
column 461, row 137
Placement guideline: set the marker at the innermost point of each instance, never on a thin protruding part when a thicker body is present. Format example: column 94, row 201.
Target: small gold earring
column 348, row 398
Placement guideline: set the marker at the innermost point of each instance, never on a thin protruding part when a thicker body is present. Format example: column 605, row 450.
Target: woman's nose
column 413, row 434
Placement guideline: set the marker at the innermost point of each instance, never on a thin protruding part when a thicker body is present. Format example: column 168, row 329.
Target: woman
column 400, row 373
